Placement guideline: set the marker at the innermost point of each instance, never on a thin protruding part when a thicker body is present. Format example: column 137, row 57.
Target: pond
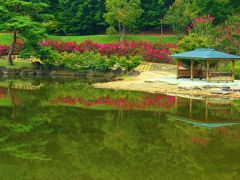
column 65, row 129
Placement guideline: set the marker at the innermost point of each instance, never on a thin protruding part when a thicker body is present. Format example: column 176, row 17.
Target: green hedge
column 87, row 60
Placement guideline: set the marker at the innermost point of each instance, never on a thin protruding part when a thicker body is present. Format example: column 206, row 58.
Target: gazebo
column 205, row 56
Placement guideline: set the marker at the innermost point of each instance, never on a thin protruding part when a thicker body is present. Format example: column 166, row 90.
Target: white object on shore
column 196, row 84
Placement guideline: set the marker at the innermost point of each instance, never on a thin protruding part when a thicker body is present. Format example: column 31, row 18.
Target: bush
column 194, row 41
column 96, row 61
column 202, row 26
column 111, row 31
column 3, row 50
column 152, row 52
column 130, row 63
column 227, row 67
column 228, row 37
column 49, row 56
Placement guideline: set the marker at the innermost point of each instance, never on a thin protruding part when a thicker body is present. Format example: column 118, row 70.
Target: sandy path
column 138, row 84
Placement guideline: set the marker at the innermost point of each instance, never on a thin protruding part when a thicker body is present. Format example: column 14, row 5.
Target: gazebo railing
column 202, row 74
column 186, row 73
column 221, row 76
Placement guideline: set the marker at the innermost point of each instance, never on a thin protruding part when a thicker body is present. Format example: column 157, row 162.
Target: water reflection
column 64, row 129
column 210, row 113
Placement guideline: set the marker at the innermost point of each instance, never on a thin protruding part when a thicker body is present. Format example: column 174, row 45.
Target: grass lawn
column 5, row 38
column 109, row 39
column 17, row 64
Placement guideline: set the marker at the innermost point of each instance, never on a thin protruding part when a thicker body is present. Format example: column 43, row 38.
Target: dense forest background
column 84, row 17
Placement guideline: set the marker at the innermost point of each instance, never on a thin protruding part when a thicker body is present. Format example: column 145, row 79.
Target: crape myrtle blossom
column 151, row 52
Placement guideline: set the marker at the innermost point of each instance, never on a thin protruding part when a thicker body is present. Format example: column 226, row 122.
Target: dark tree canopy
column 86, row 17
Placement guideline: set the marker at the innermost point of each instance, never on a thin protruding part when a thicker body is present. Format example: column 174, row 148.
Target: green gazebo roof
column 204, row 54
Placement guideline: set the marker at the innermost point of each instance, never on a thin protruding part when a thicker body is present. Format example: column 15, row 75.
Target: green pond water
column 65, row 129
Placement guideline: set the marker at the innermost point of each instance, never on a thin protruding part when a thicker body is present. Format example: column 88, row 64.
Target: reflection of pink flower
column 223, row 131
column 200, row 141
column 146, row 102
column 2, row 93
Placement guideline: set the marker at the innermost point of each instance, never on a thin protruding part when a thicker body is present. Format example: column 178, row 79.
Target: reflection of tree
column 109, row 144
column 20, row 139
column 19, row 132
column 11, row 93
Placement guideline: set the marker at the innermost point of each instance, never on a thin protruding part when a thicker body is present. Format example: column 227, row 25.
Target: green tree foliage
column 219, row 9
column 78, row 17
column 178, row 16
column 74, row 17
column 22, row 17
column 194, row 41
column 153, row 11
column 123, row 14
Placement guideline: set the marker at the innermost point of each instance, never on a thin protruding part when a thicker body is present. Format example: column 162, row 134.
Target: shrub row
column 151, row 52
column 87, row 60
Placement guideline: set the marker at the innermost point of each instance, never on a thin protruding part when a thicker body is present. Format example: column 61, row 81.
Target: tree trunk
column 123, row 32
column 11, row 50
column 120, row 30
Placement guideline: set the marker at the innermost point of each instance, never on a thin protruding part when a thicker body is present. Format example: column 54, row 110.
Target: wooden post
column 208, row 65
column 176, row 105
column 233, row 70
column 177, row 68
column 191, row 69
column 190, row 108
column 201, row 68
column 206, row 109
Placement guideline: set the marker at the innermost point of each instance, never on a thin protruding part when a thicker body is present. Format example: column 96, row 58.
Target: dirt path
column 139, row 83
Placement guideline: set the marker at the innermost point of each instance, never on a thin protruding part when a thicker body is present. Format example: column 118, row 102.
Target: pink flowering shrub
column 3, row 50
column 18, row 47
column 151, row 52
column 201, row 25
column 228, row 39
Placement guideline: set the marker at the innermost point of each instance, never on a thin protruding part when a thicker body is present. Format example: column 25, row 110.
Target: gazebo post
column 206, row 109
column 190, row 108
column 177, row 68
column 201, row 68
column 208, row 65
column 191, row 69
column 233, row 70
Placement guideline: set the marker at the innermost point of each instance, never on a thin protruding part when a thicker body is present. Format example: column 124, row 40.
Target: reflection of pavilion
column 206, row 112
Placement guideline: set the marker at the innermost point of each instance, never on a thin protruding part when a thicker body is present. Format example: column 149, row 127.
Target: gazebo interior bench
column 202, row 74
column 205, row 58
